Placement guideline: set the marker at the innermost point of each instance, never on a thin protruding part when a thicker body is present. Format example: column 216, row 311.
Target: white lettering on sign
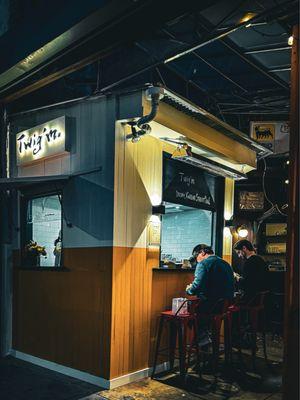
column 193, row 197
column 41, row 141
column 188, row 180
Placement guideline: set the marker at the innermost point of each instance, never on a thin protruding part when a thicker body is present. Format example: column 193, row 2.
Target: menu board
column 154, row 233
column 186, row 185
column 251, row 201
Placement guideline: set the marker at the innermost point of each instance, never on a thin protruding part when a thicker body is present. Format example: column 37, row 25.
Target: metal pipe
column 267, row 50
column 155, row 93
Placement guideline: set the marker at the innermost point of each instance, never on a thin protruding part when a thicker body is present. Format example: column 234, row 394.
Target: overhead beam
column 268, row 50
column 225, row 76
column 92, row 42
column 280, row 69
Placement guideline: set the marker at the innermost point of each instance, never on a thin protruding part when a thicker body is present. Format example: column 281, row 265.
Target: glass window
column 43, row 238
column 182, row 229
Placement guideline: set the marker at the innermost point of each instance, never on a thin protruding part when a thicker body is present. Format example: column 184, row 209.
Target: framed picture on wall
column 251, row 201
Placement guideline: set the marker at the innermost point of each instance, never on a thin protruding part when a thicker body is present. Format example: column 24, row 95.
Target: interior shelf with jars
column 272, row 244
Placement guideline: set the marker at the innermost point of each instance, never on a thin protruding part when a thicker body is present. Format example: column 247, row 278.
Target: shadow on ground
column 20, row 380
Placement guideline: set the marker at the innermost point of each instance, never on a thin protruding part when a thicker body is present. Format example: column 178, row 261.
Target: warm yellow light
column 290, row 41
column 243, row 232
column 155, row 219
column 155, row 199
column 226, row 231
column 247, row 17
column 227, row 215
column 288, row 162
column 286, row 181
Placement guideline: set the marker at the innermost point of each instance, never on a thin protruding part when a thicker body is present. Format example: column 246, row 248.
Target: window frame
column 213, row 228
column 26, row 197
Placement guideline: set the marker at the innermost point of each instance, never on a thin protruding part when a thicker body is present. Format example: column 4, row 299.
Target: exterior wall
column 65, row 316
column 139, row 294
column 96, row 314
column 138, row 179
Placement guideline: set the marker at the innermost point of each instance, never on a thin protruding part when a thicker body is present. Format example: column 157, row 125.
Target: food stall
column 120, row 187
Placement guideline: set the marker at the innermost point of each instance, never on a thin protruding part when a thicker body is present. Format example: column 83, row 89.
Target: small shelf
column 272, row 254
column 277, row 237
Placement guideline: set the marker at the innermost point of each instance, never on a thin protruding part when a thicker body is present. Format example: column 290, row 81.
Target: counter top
column 174, row 269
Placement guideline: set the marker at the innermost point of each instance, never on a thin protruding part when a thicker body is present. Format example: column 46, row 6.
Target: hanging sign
column 184, row 184
column 251, row 201
column 273, row 135
column 42, row 141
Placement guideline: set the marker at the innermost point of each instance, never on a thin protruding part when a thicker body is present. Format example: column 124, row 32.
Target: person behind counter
column 213, row 281
column 254, row 277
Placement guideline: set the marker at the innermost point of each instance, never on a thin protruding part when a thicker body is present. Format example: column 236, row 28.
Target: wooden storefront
column 94, row 317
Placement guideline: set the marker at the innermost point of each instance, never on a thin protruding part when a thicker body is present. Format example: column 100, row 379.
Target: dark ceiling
column 239, row 70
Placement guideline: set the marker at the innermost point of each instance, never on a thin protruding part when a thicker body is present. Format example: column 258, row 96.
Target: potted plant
column 33, row 253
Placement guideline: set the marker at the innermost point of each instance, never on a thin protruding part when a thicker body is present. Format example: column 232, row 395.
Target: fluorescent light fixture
column 210, row 166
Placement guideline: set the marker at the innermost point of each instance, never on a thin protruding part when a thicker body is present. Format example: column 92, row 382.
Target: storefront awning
column 18, row 183
column 215, row 137
column 21, row 182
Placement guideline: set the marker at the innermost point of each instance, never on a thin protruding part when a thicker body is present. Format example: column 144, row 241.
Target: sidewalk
column 20, row 380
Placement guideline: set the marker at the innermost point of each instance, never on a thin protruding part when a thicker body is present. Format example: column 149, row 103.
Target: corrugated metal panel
column 208, row 119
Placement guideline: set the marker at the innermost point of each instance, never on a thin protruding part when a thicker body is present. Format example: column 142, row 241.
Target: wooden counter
column 166, row 284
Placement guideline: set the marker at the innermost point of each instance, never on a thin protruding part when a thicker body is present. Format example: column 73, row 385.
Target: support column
column 291, row 323
column 228, row 213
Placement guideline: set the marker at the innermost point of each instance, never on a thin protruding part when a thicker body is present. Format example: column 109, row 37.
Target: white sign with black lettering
column 42, row 141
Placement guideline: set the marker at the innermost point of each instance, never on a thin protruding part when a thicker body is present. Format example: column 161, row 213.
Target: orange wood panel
column 65, row 316
column 131, row 310
column 228, row 258
column 153, row 257
column 166, row 285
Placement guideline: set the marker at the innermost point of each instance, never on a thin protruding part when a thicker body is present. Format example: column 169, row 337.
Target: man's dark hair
column 202, row 247
column 244, row 242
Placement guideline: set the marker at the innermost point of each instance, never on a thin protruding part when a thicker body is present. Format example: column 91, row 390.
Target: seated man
column 213, row 281
column 254, row 278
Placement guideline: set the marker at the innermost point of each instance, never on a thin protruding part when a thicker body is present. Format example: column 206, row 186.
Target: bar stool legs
column 172, row 344
column 182, row 349
column 159, row 334
column 178, row 328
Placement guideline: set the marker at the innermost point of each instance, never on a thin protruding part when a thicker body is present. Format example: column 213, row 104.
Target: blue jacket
column 213, row 279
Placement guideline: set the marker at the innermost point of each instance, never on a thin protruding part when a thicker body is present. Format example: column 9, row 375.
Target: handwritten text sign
column 42, row 141
column 186, row 185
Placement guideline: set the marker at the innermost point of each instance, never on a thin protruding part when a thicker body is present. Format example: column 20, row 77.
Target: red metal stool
column 255, row 309
column 180, row 325
column 215, row 317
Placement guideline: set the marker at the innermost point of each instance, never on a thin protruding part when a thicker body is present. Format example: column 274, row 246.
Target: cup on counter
column 186, row 264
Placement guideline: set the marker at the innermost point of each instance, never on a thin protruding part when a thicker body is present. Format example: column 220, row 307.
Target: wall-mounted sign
column 251, row 201
column 154, row 229
column 187, row 185
column 46, row 140
column 273, row 135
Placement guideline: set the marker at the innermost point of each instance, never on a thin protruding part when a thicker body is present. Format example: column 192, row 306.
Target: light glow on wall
column 155, row 199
